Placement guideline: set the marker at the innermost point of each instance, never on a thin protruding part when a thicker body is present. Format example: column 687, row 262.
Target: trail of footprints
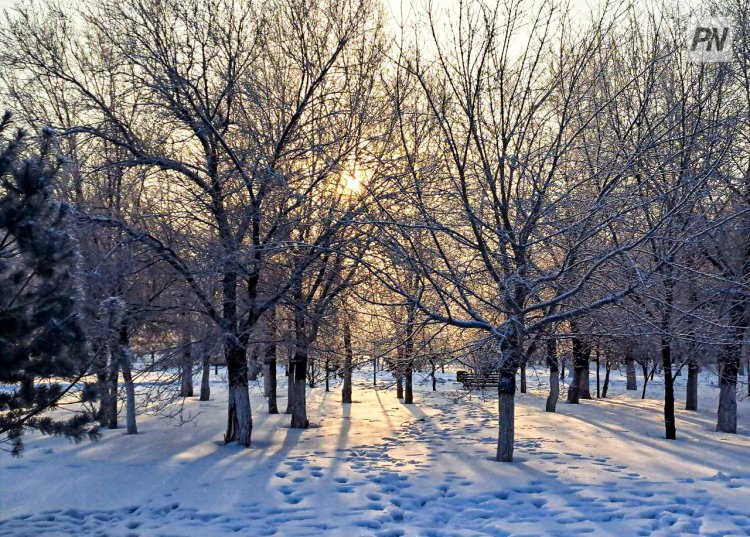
column 389, row 490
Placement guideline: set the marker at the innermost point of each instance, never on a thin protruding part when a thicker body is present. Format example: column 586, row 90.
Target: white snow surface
column 379, row 467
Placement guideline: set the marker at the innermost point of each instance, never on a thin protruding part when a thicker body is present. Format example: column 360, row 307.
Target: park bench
column 477, row 380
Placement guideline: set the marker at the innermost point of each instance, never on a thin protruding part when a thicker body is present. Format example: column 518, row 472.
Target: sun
column 353, row 180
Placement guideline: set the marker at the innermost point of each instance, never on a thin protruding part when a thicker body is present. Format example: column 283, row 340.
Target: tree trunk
column 408, row 381
column 126, row 361
column 408, row 364
column 127, row 376
column 346, row 390
column 432, row 373
column 730, row 361
column 327, row 365
column 579, row 386
column 669, row 418
column 253, row 366
column 727, row 415
column 186, row 372
column 691, row 395
column 598, row 365
column 113, row 382
column 206, row 379
column 27, row 390
column 311, row 371
column 585, row 390
column 399, row 387
column 632, row 382
column 506, row 416
column 298, row 381
column 289, row 388
column 644, row 367
column 298, row 369
column 105, row 399
column 269, row 366
column 523, row 377
column 554, row 376
column 511, row 357
column 239, row 415
column 608, row 368
column 574, row 388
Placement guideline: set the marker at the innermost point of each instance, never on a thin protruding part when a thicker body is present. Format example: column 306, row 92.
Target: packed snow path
column 378, row 467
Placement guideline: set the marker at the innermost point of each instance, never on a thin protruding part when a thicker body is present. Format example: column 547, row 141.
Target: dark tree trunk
column 608, row 366
column 269, row 365
column 105, row 400
column 581, row 353
column 598, row 365
column 206, row 378
column 506, row 417
column 433, row 371
column 730, row 362
column 297, row 379
column 729, row 366
column 289, row 386
column 327, row 365
column 399, row 387
column 298, row 371
column 126, row 360
column 644, row 367
column 585, row 390
column 269, row 379
column 523, row 377
column 554, row 376
column 113, row 382
column 127, row 377
column 239, row 416
column 253, row 367
column 727, row 415
column 409, row 359
column 186, row 372
column 346, row 390
column 669, row 417
column 311, row 371
column 691, row 395
column 632, row 382
column 670, row 425
column 511, row 358
column 408, row 388
column 27, row 391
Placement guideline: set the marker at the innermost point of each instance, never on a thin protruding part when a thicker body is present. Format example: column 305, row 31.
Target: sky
column 394, row 6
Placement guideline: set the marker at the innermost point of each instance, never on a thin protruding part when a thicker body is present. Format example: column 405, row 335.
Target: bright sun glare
column 353, row 179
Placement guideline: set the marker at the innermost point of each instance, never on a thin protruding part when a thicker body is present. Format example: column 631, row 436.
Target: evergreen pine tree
column 42, row 351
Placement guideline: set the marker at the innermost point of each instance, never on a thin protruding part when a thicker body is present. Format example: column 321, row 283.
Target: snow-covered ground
column 378, row 467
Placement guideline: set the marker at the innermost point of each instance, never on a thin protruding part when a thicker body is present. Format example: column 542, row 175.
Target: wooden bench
column 474, row 380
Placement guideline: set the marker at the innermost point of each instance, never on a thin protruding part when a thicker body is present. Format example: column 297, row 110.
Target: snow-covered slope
column 378, row 467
